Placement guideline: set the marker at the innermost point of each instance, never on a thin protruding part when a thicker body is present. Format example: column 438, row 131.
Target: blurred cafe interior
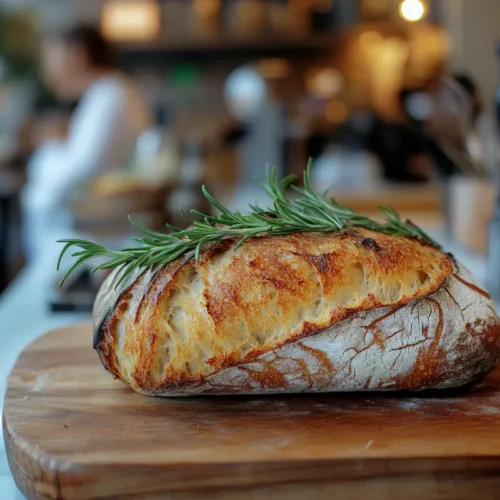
column 111, row 108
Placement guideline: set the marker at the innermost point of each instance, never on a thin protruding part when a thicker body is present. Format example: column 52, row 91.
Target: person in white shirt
column 79, row 65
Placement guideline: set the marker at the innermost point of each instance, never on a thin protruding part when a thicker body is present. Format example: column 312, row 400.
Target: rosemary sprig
column 308, row 212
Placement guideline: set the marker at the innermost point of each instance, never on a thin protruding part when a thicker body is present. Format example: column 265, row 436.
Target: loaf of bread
column 357, row 311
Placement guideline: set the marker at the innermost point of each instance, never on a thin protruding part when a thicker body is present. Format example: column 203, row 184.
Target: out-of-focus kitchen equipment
column 103, row 208
column 10, row 185
column 472, row 202
column 339, row 167
column 248, row 98
column 188, row 194
column 100, row 208
column 493, row 277
column 157, row 158
column 99, row 213
column 77, row 293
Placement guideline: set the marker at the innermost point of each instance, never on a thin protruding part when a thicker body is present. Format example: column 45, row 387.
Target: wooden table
column 72, row 432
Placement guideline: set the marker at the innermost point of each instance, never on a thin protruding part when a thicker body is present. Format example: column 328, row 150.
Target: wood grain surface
column 72, row 432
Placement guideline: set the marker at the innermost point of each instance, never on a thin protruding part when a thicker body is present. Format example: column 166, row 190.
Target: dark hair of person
column 469, row 85
column 99, row 50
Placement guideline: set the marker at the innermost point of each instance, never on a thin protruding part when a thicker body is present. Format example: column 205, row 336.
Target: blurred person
column 400, row 147
column 481, row 135
column 79, row 66
column 428, row 112
column 461, row 136
column 449, row 113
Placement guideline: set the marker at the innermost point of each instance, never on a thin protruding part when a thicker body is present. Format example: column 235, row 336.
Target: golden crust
column 194, row 319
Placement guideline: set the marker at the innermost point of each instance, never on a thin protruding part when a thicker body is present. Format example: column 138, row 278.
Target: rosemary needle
column 309, row 212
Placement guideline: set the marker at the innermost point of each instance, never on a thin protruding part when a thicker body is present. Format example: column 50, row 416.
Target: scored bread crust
column 299, row 313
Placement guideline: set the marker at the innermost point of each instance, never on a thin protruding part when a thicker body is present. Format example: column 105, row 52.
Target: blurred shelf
column 215, row 47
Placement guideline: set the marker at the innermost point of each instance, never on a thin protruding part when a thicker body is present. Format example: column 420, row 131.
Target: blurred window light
column 134, row 20
column 245, row 93
column 336, row 111
column 325, row 82
column 274, row 68
column 412, row 10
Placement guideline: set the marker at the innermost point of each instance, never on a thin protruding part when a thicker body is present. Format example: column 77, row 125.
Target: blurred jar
column 289, row 18
column 471, row 204
column 177, row 20
column 279, row 18
column 157, row 159
column 187, row 194
column 246, row 17
column 341, row 168
column 207, row 17
column 300, row 16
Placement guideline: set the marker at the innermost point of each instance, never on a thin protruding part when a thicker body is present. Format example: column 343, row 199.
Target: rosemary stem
column 307, row 212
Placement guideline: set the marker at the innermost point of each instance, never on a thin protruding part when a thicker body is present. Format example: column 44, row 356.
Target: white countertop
column 24, row 316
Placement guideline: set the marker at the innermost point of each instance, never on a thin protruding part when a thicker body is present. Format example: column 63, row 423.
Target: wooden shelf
column 217, row 46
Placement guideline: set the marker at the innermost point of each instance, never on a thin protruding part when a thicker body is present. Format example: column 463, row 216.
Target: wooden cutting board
column 72, row 432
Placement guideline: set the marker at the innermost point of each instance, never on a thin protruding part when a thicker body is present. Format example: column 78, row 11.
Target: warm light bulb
column 412, row 10
column 134, row 20
column 325, row 82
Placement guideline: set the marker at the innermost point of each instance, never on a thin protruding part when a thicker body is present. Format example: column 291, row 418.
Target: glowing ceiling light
column 134, row 20
column 412, row 10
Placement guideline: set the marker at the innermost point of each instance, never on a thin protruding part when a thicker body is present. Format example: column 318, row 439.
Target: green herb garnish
column 307, row 212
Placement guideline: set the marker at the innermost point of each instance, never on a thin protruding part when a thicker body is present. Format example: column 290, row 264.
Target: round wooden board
column 72, row 432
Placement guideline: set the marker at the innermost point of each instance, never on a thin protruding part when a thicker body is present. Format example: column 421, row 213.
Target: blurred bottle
column 157, row 159
column 342, row 167
column 207, row 17
column 246, row 17
column 493, row 274
column 188, row 195
column 497, row 96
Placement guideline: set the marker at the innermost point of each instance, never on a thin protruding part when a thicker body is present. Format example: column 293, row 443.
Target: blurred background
column 116, row 107
column 111, row 108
